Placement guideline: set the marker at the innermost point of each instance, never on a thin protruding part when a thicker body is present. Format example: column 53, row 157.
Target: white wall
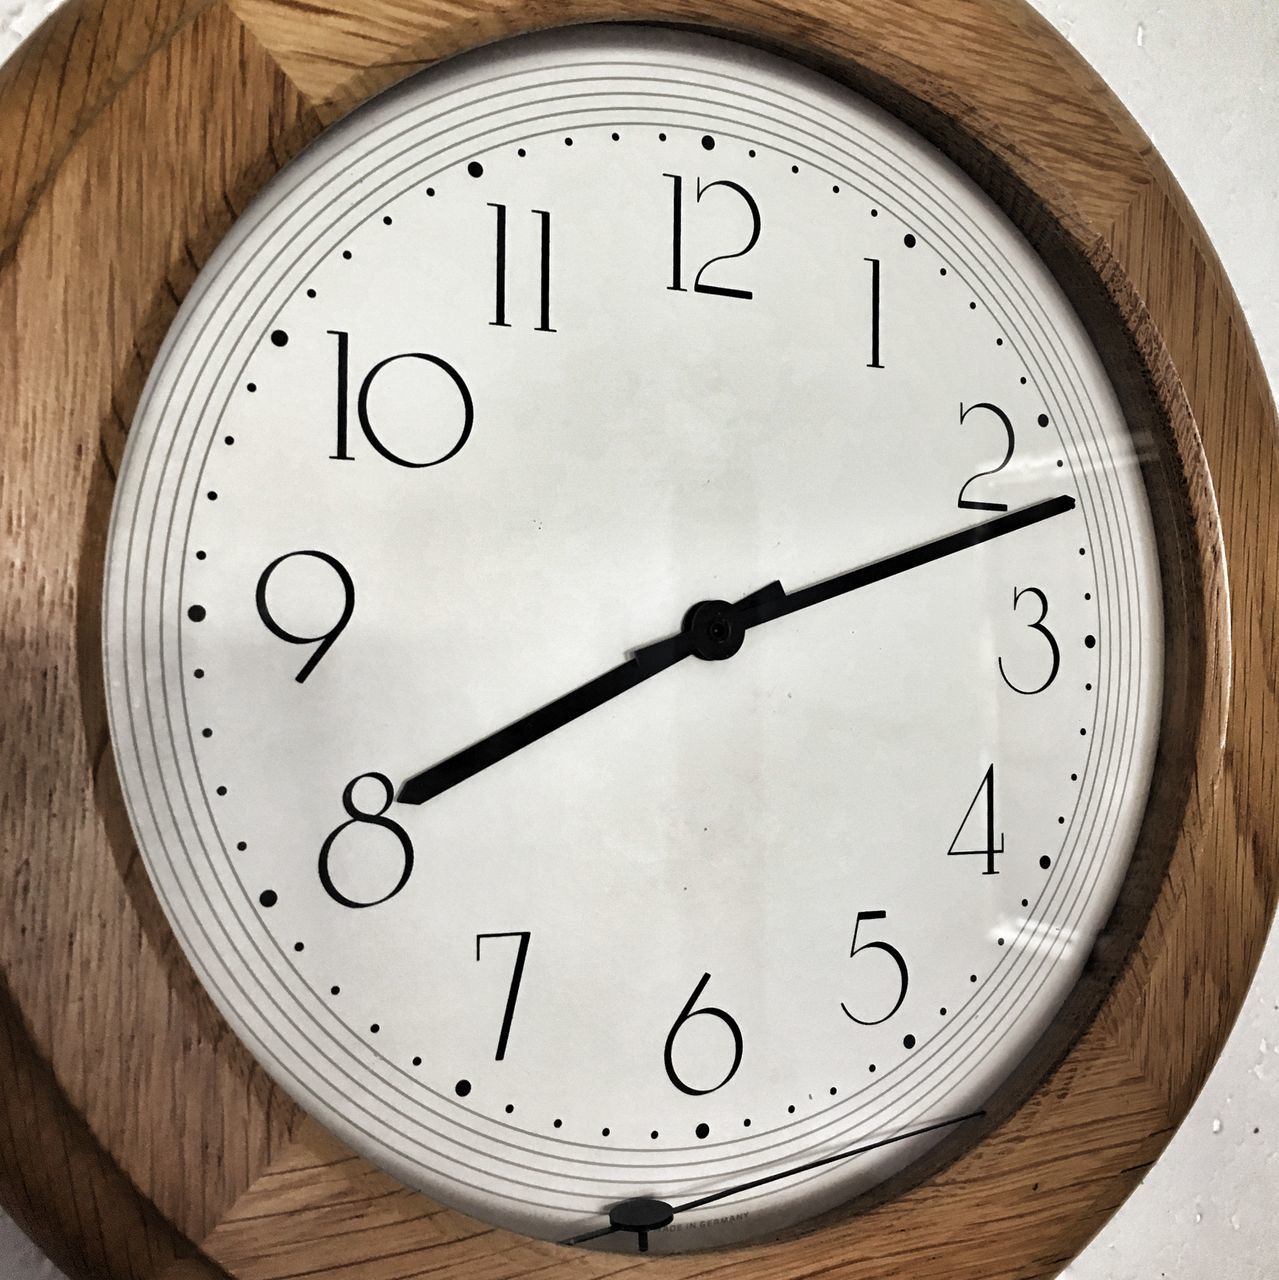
column 1202, row 77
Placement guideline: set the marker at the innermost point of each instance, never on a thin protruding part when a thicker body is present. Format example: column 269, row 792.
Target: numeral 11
column 499, row 307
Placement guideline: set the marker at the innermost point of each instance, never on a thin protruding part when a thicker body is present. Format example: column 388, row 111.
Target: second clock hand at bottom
column 642, row 1216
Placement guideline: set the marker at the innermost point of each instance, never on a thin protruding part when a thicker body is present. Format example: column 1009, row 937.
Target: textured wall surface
column 1202, row 77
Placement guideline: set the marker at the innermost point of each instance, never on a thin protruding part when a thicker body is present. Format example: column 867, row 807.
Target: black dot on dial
column 462, row 1088
column 299, row 946
column 310, row 293
column 206, row 733
column 568, row 142
column 375, row 1028
column 1023, row 380
column 212, row 495
column 430, row 191
column 1088, row 687
column 196, row 613
column 1001, row 942
column 559, row 1124
column 241, row 845
column 228, row 439
column 653, row 1135
column 708, row 142
column 874, row 213
column 604, row 1133
column 835, row 189
column 1090, row 642
column 972, row 977
column 386, row 219
column 475, row 169
column 346, row 253
column 791, row 1109
column 221, row 791
column 1025, row 902
column 746, row 1124
column 279, row 338
column 999, row 342
column 1042, row 419
column 972, row 306
column 943, row 271
column 794, row 168
column 251, row 386
column 521, row 153
column 908, row 1041
column 335, row 991
column 703, row 1131
column 909, row 240
column 1087, row 595
column 268, row 897
column 942, row 1011
column 1083, row 733
column 751, row 153
column 1045, row 862
column 510, row 1107
column 200, row 555
column 833, row 1091
column 198, row 673
column 872, row 1068
column 417, row 1062
column 617, row 137
column 1061, row 822
column 661, row 137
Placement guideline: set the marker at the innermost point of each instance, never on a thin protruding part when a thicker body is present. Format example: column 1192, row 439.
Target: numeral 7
column 514, row 994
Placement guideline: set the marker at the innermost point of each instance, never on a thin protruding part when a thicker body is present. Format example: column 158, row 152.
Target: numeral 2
column 970, row 504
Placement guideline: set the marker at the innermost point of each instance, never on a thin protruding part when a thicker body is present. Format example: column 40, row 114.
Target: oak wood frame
column 137, row 1137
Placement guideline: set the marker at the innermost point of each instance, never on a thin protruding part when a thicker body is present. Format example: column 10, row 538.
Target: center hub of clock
column 714, row 629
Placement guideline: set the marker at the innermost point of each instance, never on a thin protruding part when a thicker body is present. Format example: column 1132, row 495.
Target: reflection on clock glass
column 633, row 638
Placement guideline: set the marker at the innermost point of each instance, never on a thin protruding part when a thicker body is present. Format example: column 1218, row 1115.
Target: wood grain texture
column 137, row 1138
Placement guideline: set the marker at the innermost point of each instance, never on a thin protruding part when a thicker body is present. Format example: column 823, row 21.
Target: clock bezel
column 1135, row 1001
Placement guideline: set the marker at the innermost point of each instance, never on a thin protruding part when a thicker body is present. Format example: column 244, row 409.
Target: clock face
column 633, row 638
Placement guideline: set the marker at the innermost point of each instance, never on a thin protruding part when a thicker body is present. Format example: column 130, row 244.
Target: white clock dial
column 503, row 376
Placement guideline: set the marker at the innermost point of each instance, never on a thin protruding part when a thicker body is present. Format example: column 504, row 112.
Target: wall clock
column 682, row 645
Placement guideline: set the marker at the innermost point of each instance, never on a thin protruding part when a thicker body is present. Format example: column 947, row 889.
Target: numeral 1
column 499, row 306
column 874, row 313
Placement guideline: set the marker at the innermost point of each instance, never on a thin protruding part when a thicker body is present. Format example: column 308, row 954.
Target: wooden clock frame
column 137, row 1137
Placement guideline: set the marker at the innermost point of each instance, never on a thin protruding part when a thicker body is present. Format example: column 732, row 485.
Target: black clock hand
column 781, row 603
column 713, row 630
column 641, row 666
column 644, row 1215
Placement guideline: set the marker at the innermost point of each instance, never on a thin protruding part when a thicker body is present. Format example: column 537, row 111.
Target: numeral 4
column 984, row 816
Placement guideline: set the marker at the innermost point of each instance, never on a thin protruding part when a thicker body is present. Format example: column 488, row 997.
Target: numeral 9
column 325, row 639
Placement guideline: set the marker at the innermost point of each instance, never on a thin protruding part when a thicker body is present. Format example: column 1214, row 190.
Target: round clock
column 665, row 656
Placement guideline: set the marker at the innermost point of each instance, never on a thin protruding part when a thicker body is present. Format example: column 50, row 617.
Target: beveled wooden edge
column 1178, row 992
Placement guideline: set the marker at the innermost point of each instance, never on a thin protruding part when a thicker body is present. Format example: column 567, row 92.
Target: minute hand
column 780, row 603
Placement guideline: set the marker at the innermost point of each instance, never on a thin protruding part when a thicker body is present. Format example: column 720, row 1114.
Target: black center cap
column 714, row 630
column 640, row 1217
